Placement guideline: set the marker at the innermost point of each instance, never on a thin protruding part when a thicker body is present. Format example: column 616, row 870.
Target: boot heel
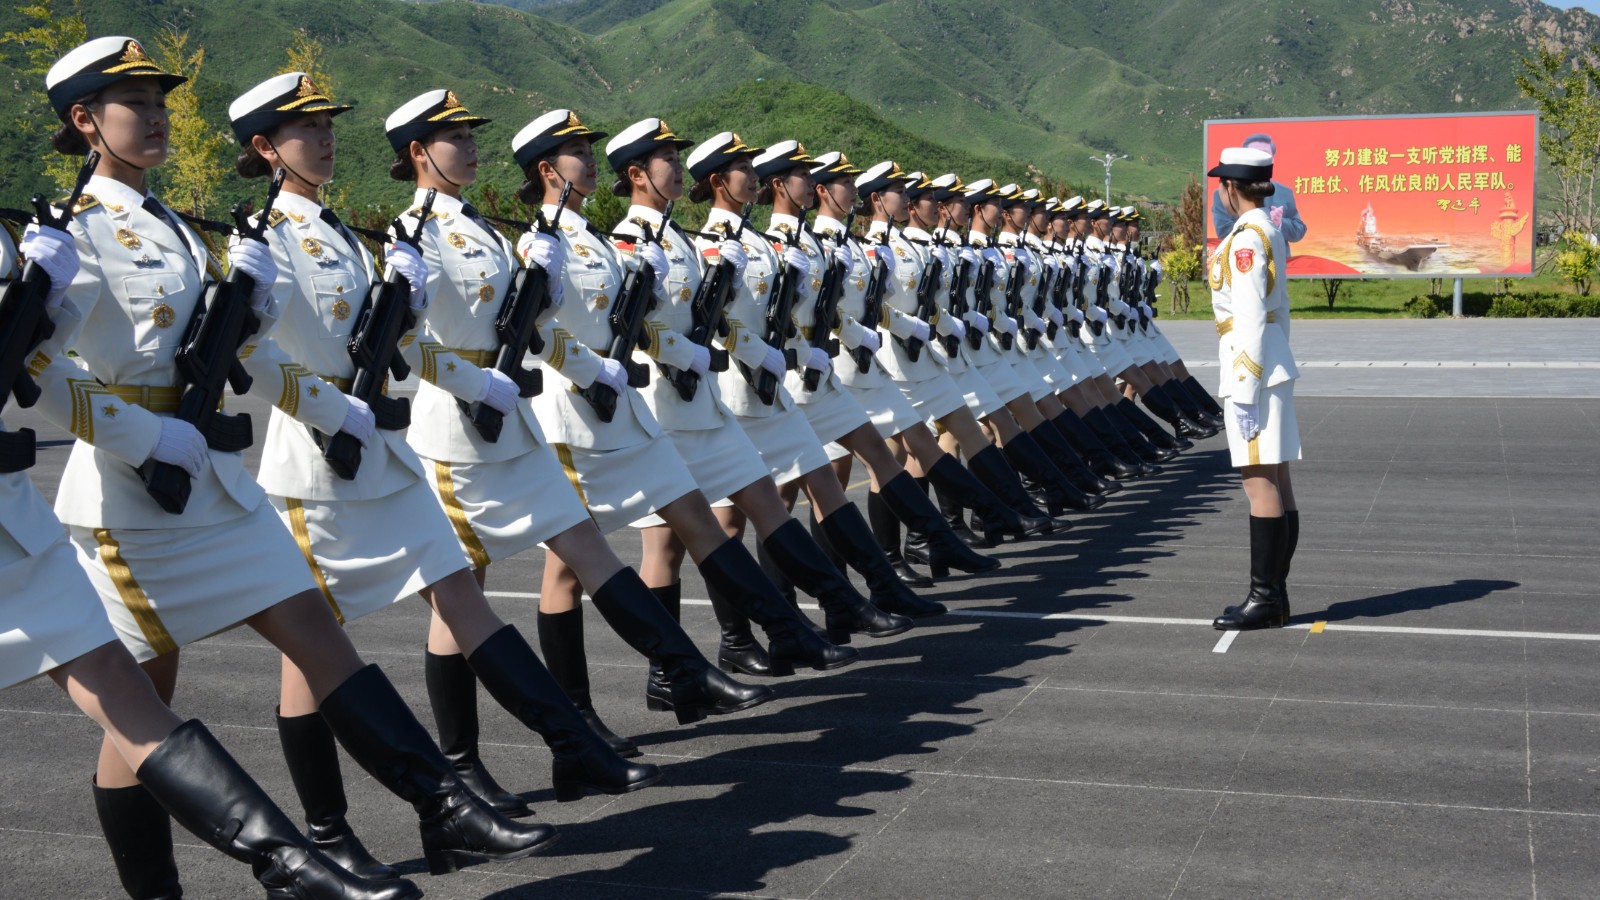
column 939, row 570
column 840, row 636
column 688, row 714
column 441, row 861
column 656, row 704
column 782, row 668
column 569, row 791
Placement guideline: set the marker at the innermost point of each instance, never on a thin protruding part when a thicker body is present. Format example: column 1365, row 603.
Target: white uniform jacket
column 747, row 316
column 899, row 311
column 669, row 325
column 138, row 284
column 1250, row 299
column 27, row 519
column 591, row 281
column 852, row 299
column 323, row 277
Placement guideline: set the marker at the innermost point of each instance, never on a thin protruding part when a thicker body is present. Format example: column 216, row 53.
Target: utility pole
column 1107, row 160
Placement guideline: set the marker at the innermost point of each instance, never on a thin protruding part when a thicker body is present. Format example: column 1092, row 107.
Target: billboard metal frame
column 1533, row 215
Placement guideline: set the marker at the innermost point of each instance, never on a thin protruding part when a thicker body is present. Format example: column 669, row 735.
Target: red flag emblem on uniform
column 1244, row 260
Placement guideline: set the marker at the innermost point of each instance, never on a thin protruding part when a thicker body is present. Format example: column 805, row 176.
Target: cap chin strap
column 106, row 142
column 438, row 171
column 288, row 168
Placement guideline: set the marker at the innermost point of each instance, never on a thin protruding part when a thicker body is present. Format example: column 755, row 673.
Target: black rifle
column 25, row 324
column 778, row 328
column 959, row 284
column 983, row 292
column 516, row 326
column 1016, row 279
column 208, row 363
column 826, row 317
column 635, row 300
column 375, row 348
column 928, row 283
column 1041, row 297
column 710, row 301
column 872, row 303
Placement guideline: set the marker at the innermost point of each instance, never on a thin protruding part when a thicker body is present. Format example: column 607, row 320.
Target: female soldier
column 1197, row 404
column 1250, row 296
column 168, row 579
column 622, row 464
column 57, row 626
column 345, row 527
column 508, row 494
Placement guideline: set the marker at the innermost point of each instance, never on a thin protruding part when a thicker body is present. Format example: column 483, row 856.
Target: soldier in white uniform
column 505, row 491
column 56, row 625
column 1200, row 405
column 167, row 579
column 627, row 468
column 1250, row 299
column 345, row 526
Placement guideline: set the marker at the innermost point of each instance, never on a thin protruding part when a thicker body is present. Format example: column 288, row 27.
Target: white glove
column 957, row 330
column 818, row 361
column 995, row 258
column 1099, row 314
column 181, row 445
column 733, row 251
column 55, row 252
column 253, row 258
column 701, row 363
column 1005, row 324
column 887, row 257
column 775, row 362
column 1054, row 315
column 1076, row 314
column 359, row 421
column 499, row 391
column 613, row 375
column 920, row 330
column 843, row 255
column 977, row 321
column 1031, row 261
column 405, row 259
column 942, row 255
column 797, row 258
column 970, row 256
column 871, row 341
column 655, row 257
column 1244, row 414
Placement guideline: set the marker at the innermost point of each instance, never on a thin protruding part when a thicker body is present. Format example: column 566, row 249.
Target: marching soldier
column 1250, row 298
column 168, row 578
column 1210, row 412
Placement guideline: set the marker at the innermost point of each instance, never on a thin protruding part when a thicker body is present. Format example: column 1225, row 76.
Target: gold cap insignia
column 134, row 53
column 128, row 239
column 456, row 240
column 163, row 316
column 450, row 101
column 308, row 88
column 341, row 310
column 572, row 120
column 311, row 246
column 485, row 293
column 665, row 128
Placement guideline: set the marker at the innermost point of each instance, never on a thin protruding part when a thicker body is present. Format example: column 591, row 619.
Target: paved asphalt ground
column 1429, row 727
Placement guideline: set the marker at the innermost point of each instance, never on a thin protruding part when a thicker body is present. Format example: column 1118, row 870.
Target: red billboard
column 1427, row 196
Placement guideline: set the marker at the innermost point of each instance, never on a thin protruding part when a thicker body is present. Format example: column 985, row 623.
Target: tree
column 1576, row 259
column 1566, row 90
column 192, row 175
column 1330, row 289
column 1190, row 218
column 1181, row 264
column 42, row 43
column 306, row 55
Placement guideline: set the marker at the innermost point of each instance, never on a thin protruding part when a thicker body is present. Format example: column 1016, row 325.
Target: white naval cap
column 94, row 65
column 544, row 134
column 1243, row 164
column 1072, row 206
column 426, row 113
column 637, row 141
column 279, row 99
column 917, row 184
column 881, row 177
column 780, row 158
column 717, row 152
column 832, row 166
column 982, row 190
column 947, row 187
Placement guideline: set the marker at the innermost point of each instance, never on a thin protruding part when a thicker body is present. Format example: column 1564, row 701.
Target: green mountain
column 937, row 84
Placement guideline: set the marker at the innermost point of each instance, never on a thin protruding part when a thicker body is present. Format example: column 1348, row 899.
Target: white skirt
column 1054, row 373
column 977, row 394
column 1089, row 360
column 50, row 613
column 832, row 411
column 163, row 588
column 624, row 486
column 722, row 461
column 890, row 411
column 499, row 509
column 934, row 398
column 1111, row 353
column 1038, row 386
column 786, row 443
column 1007, row 384
column 1279, row 440
column 1163, row 347
column 367, row 555
column 1066, row 356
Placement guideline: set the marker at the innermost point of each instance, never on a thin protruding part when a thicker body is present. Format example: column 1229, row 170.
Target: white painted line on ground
column 1424, row 364
column 1225, row 642
column 1163, row 620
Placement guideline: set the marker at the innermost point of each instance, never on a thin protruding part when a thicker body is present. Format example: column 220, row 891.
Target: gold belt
column 346, row 385
column 157, row 398
column 1226, row 325
column 480, row 358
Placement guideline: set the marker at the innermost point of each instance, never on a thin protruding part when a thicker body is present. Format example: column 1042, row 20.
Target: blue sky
column 1591, row 5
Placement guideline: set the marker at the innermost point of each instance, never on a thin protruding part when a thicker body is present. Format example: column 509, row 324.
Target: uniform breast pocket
column 337, row 301
column 597, row 287
column 481, row 283
column 160, row 304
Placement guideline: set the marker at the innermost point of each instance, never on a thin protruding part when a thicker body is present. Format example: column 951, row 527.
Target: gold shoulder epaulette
column 639, row 221
column 275, row 218
column 416, row 213
column 85, row 201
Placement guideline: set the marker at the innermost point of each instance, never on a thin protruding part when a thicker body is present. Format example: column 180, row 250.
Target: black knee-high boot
column 1179, row 393
column 959, row 488
column 944, row 548
column 379, row 732
column 886, row 531
column 1111, row 425
column 561, row 642
column 1291, row 540
column 453, row 695
column 776, row 575
column 521, row 684
column 1200, row 394
column 738, row 651
column 313, row 758
column 994, row 471
column 740, row 591
column 207, row 792
column 1263, row 606
column 1161, row 402
column 1148, row 427
column 1041, row 477
column 846, row 611
column 139, row 834
column 845, row 529
column 1100, row 456
column 694, row 688
column 1094, row 488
